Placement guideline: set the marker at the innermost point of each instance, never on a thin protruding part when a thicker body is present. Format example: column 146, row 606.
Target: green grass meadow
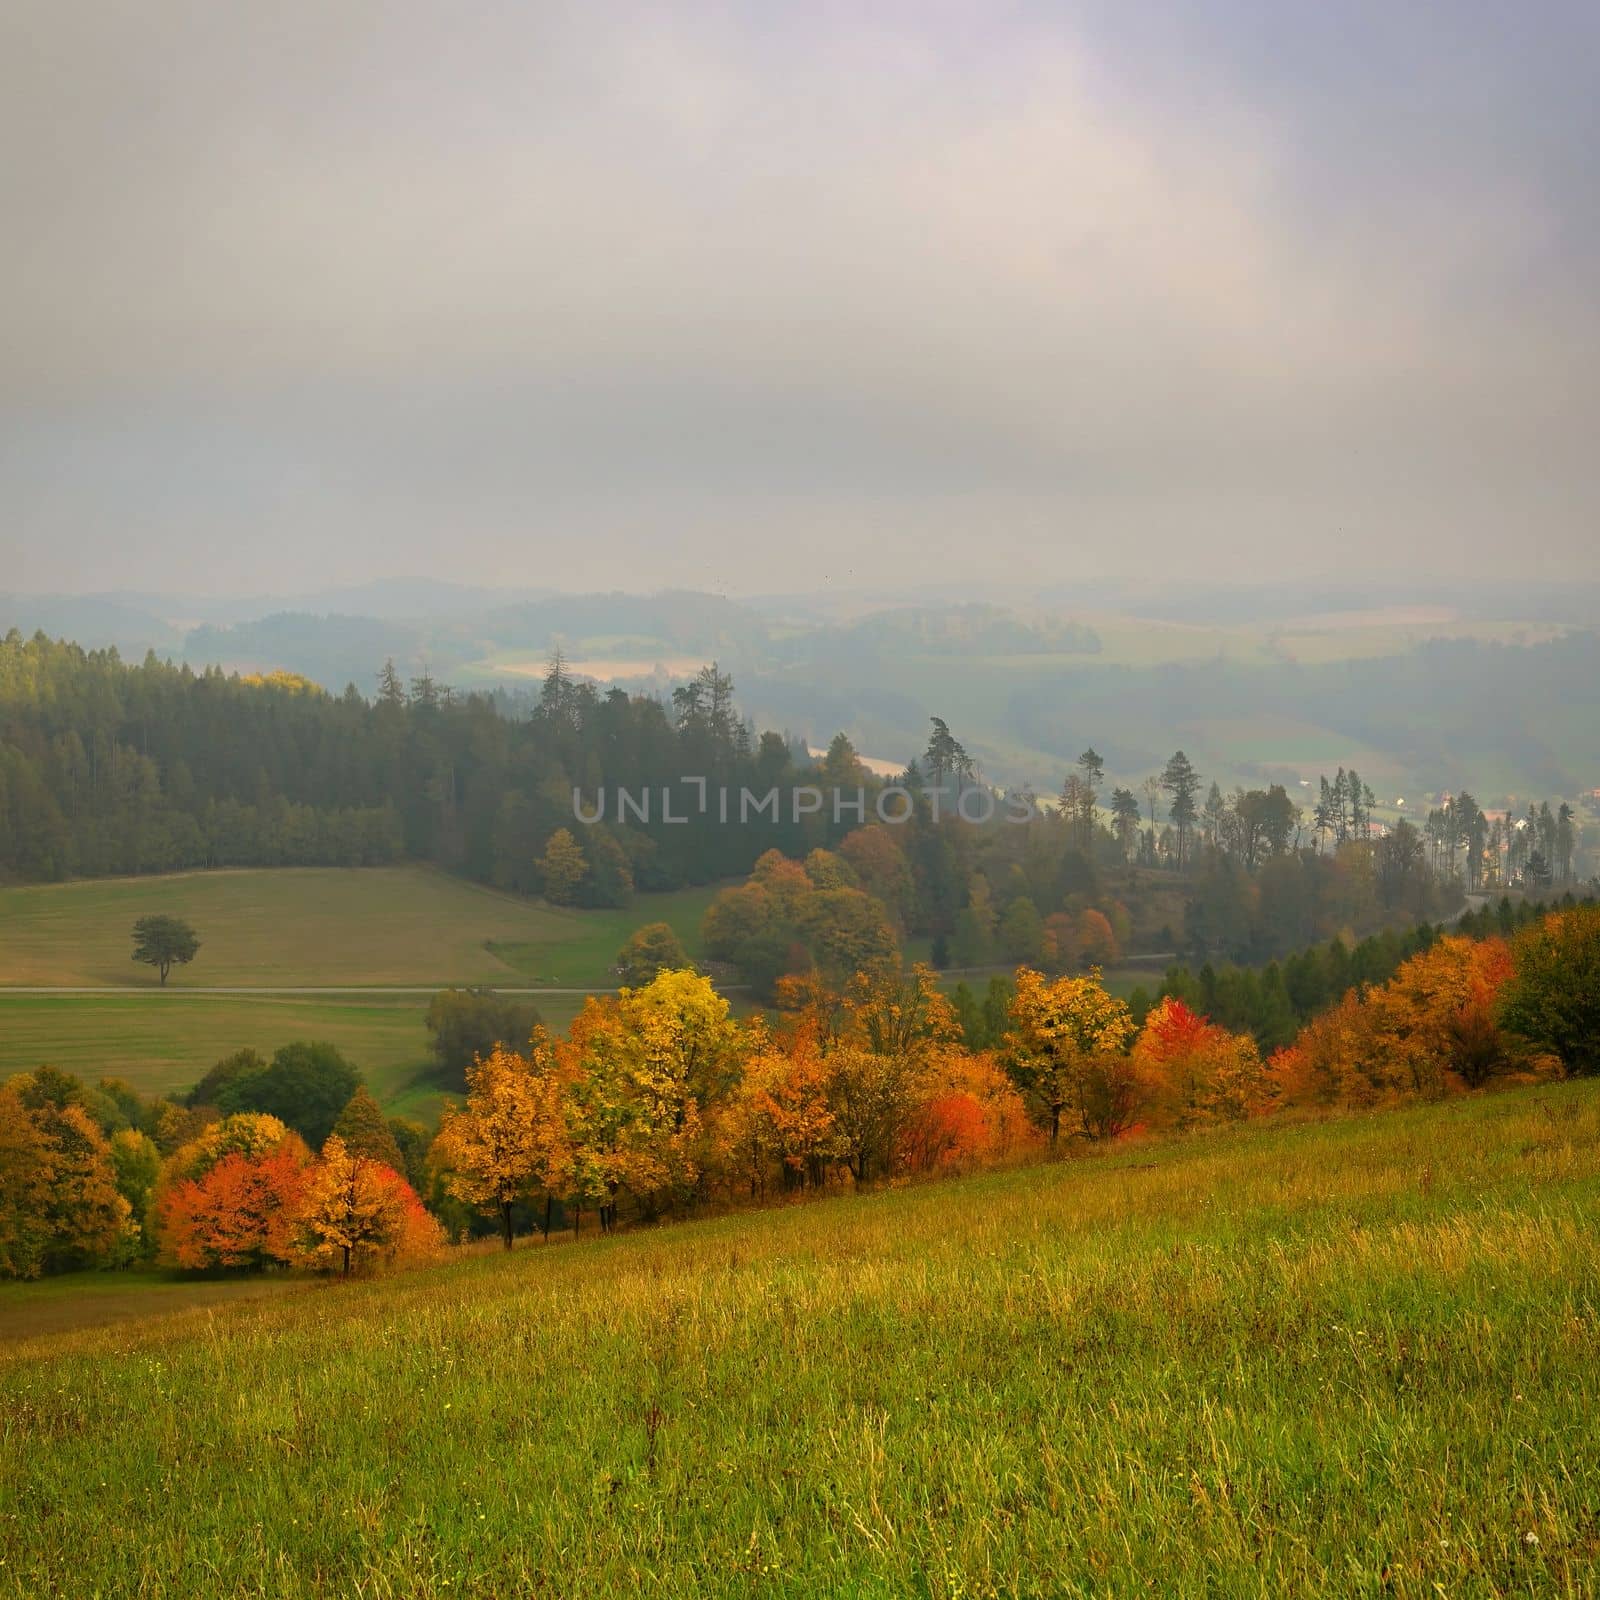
column 163, row 1043
column 323, row 926
column 1353, row 1358
column 406, row 928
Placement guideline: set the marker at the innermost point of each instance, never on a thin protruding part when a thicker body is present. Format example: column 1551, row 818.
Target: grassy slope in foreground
column 322, row 926
column 1355, row 1358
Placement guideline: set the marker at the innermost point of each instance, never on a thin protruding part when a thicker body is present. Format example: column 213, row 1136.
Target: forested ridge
column 109, row 767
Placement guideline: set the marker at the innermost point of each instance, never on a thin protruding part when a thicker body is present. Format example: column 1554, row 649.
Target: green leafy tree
column 305, row 1085
column 1022, row 931
column 364, row 1132
column 972, row 943
column 653, row 948
column 413, row 1140
column 135, row 1165
column 164, row 942
column 468, row 1023
column 220, row 1082
column 1552, row 998
column 609, row 879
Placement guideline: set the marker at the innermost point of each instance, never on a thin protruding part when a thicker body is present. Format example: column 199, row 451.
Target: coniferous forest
column 112, row 768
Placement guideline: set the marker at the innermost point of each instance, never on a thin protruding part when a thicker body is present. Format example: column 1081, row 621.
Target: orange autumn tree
column 1097, row 939
column 943, row 1133
column 1435, row 1020
column 231, row 1197
column 25, row 1189
column 510, row 1139
column 1332, row 1061
column 1430, row 1029
column 967, row 1111
column 1196, row 1072
column 778, row 1119
column 358, row 1213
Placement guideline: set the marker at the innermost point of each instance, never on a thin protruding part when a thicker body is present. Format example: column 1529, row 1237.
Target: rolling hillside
column 323, row 927
column 1361, row 1357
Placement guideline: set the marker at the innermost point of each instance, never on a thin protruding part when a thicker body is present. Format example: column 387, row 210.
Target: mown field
column 1354, row 1358
column 321, row 926
column 400, row 928
column 163, row 1043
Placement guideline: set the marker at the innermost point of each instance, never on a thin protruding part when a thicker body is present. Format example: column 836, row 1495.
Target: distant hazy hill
column 339, row 648
column 1416, row 695
column 95, row 620
column 330, row 650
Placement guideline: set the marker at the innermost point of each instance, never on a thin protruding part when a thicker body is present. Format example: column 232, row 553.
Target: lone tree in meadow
column 164, row 942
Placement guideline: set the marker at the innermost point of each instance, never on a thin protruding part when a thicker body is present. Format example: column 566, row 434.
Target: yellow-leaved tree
column 358, row 1212
column 1066, row 1049
column 684, row 1042
column 509, row 1140
column 640, row 1069
column 562, row 868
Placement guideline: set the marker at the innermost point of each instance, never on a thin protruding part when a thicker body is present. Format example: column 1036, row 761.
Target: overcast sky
column 780, row 296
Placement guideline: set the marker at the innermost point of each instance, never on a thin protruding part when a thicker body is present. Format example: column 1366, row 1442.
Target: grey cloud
column 618, row 294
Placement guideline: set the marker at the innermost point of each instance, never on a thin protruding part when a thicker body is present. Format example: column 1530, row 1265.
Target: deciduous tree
column 1057, row 1030
column 357, row 1212
column 495, row 1150
column 231, row 1197
column 467, row 1023
column 1552, row 998
column 651, row 949
column 364, row 1132
column 163, row 942
column 562, row 868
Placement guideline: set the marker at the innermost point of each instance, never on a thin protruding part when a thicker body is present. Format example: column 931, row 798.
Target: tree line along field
column 1351, row 1357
